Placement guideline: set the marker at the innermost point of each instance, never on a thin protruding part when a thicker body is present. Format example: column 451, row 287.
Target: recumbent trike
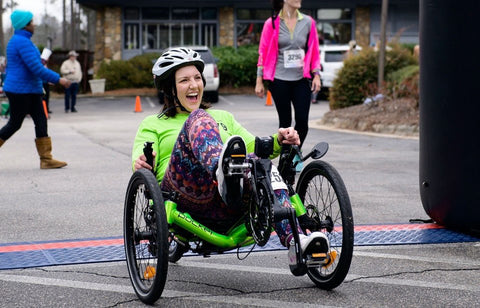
column 156, row 233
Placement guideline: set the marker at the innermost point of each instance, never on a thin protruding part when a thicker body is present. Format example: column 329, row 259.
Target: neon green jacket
column 163, row 132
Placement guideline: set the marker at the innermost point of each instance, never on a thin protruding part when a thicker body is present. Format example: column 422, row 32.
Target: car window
column 206, row 56
column 334, row 56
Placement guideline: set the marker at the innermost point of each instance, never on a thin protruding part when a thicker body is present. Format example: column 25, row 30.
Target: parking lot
column 404, row 264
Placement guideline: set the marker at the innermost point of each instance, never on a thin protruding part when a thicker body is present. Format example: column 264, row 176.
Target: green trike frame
column 156, row 233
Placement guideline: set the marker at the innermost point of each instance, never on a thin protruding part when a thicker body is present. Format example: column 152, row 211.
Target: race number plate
column 276, row 178
column 293, row 58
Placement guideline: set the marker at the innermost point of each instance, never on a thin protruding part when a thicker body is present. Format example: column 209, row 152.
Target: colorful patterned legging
column 190, row 173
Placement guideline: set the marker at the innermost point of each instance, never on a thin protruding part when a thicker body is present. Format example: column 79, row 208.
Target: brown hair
column 277, row 5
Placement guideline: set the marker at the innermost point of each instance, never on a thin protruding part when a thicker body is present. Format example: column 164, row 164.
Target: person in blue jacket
column 24, row 87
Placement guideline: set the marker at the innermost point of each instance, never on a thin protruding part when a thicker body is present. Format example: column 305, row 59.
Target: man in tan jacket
column 72, row 71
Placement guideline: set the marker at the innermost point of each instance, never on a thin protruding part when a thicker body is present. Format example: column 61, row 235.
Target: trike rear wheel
column 145, row 233
column 326, row 200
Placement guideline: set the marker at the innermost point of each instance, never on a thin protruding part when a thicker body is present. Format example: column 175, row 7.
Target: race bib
column 276, row 179
column 293, row 58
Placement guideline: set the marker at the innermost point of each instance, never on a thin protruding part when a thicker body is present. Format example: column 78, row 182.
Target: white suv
column 210, row 72
column 331, row 59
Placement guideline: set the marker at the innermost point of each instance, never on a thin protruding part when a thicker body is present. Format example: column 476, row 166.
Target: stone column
column 362, row 26
column 108, row 40
column 226, row 26
column 99, row 39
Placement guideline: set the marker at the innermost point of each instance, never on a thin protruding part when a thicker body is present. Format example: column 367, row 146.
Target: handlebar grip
column 148, row 152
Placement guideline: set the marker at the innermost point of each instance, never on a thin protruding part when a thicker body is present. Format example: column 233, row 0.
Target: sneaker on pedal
column 314, row 248
column 230, row 170
column 299, row 166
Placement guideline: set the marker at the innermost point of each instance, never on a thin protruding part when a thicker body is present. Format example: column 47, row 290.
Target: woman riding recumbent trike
column 156, row 232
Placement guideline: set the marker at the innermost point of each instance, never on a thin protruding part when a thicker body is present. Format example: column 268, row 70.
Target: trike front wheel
column 145, row 232
column 326, row 200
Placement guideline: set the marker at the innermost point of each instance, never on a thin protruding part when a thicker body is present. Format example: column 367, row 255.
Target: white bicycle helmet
column 175, row 58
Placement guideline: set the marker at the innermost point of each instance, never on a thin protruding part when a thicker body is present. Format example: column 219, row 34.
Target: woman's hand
column 259, row 88
column 65, row 82
column 141, row 162
column 288, row 136
column 316, row 84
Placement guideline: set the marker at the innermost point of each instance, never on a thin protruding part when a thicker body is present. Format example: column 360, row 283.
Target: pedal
column 236, row 165
column 317, row 252
column 317, row 259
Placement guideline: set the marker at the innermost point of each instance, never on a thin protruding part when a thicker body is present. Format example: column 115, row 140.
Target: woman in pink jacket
column 288, row 58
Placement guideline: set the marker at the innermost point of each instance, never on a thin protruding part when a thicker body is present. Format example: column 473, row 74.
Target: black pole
column 450, row 112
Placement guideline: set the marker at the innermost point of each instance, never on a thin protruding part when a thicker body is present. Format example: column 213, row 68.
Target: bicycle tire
column 145, row 232
column 325, row 197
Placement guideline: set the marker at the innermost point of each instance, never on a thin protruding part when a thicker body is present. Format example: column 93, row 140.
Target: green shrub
column 118, row 74
column 144, row 63
column 404, row 83
column 237, row 67
column 360, row 74
column 408, row 46
column 405, row 72
column 133, row 73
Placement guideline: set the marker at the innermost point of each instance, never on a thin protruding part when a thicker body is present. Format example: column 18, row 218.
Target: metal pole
column 383, row 44
column 64, row 27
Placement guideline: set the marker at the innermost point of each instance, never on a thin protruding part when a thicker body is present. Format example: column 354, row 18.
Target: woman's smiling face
column 189, row 83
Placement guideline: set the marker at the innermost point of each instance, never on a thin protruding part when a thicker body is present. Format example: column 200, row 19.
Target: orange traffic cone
column 138, row 104
column 45, row 109
column 269, row 99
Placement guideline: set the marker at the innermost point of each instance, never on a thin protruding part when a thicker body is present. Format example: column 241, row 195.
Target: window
column 131, row 38
column 157, row 28
column 131, row 13
column 155, row 13
column 334, row 14
column 248, row 33
column 334, row 56
column 209, row 35
column 334, row 25
column 209, row 13
column 185, row 14
column 250, row 24
column 247, row 14
column 334, row 33
column 155, row 36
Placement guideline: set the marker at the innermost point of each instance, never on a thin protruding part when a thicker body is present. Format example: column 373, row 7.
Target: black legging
column 297, row 93
column 20, row 106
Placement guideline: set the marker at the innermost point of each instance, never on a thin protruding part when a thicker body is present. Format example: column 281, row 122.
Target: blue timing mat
column 36, row 254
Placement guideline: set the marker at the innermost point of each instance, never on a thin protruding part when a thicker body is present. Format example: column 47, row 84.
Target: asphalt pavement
column 85, row 201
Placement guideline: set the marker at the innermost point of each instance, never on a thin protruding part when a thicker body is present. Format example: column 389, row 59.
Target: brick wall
column 108, row 39
column 226, row 26
column 362, row 26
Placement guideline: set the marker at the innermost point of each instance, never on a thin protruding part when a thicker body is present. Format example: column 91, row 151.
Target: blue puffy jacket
column 25, row 71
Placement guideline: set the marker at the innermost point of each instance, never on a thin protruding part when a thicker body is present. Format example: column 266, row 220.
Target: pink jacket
column 268, row 50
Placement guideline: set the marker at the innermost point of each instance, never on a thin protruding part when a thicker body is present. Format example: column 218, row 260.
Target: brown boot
column 44, row 149
column 2, row 142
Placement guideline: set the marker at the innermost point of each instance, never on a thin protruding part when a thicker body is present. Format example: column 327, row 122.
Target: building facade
column 127, row 28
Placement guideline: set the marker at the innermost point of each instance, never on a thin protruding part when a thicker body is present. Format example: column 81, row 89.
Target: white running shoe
column 314, row 248
column 230, row 170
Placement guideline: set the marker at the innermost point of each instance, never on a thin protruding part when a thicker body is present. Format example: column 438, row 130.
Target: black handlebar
column 148, row 152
